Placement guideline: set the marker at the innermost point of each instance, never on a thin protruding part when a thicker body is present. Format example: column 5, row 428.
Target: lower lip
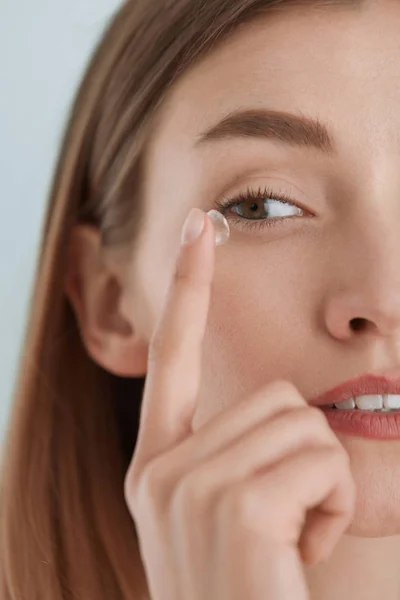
column 364, row 424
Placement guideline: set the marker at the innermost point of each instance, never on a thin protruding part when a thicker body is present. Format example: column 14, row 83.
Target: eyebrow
column 278, row 126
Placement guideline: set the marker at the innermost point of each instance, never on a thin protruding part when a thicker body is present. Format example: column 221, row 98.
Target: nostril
column 358, row 324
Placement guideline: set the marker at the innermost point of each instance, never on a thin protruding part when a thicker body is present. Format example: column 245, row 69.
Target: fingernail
column 193, row 226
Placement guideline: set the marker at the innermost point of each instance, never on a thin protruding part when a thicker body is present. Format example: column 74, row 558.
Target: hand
column 229, row 512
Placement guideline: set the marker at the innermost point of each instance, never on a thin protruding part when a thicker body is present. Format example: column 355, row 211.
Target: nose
column 364, row 283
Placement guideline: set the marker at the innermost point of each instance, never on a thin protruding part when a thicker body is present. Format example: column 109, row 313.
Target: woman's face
column 284, row 295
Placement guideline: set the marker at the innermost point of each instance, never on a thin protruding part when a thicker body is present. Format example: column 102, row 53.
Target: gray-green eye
column 268, row 208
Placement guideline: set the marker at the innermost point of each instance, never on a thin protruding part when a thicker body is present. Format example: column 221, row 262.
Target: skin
column 282, row 298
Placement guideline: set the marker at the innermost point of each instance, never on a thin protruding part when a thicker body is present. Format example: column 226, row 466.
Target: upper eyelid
column 267, row 193
column 264, row 180
column 257, row 190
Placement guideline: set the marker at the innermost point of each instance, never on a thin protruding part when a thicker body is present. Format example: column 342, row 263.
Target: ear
column 95, row 293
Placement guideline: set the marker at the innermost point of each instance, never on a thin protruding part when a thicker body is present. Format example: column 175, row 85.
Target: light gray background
column 44, row 46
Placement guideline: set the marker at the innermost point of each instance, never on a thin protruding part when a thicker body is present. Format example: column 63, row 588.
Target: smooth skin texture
column 222, row 513
column 282, row 297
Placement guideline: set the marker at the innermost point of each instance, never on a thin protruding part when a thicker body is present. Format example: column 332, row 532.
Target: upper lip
column 360, row 386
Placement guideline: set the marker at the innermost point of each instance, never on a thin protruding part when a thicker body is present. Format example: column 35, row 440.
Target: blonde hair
column 66, row 531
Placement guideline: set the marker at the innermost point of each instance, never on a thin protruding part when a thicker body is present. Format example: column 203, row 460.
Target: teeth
column 391, row 401
column 346, row 404
column 371, row 402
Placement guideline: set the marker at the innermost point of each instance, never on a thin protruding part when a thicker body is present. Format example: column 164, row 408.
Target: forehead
column 340, row 64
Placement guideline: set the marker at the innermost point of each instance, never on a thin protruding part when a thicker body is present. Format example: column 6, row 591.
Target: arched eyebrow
column 278, row 126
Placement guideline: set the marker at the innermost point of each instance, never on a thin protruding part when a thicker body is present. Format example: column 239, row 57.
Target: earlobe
column 95, row 293
column 123, row 360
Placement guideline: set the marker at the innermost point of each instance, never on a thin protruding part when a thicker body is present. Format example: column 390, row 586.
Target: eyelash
column 261, row 194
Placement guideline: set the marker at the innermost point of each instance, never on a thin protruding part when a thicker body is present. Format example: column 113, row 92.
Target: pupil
column 254, row 207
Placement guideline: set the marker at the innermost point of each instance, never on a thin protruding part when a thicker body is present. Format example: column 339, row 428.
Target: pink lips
column 383, row 426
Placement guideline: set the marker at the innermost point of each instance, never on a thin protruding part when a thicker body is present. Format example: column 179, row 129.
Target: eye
column 261, row 208
column 266, row 208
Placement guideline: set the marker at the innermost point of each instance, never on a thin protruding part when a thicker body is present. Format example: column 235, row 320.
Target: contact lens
column 221, row 227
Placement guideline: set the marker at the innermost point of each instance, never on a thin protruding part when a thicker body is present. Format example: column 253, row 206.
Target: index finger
column 175, row 354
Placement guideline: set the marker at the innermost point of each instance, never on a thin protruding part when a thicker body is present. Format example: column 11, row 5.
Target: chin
column 375, row 466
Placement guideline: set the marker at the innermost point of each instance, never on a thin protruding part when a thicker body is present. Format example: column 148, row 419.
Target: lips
column 361, row 386
column 361, row 423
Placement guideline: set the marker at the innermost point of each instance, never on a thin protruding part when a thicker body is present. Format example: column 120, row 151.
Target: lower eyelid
column 258, row 226
column 242, row 222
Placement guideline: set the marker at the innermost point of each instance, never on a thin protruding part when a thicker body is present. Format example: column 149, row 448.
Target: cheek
column 257, row 331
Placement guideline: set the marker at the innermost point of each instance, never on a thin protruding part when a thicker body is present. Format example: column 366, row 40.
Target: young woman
column 243, row 481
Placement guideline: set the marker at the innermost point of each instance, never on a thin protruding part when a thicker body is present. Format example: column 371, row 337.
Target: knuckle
column 157, row 346
column 309, row 422
column 338, row 463
column 281, row 387
column 130, row 489
column 154, row 477
column 184, row 279
column 241, row 505
column 162, row 354
column 146, row 487
column 182, row 275
column 312, row 420
column 316, row 418
column 189, row 495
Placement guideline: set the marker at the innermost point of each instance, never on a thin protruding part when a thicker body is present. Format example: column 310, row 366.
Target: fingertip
column 193, row 227
column 196, row 258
